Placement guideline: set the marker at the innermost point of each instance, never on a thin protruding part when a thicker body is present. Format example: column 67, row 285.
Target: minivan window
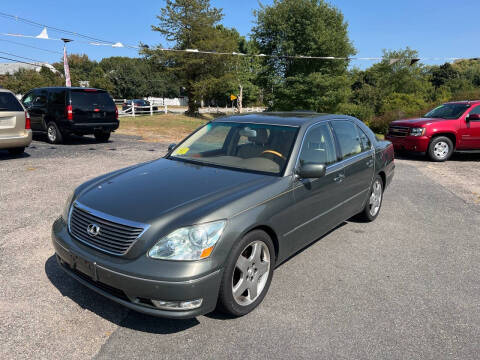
column 87, row 99
column 318, row 146
column 8, row 102
column 347, row 138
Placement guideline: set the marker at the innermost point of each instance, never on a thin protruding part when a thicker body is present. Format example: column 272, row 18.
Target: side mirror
column 473, row 117
column 311, row 171
column 171, row 147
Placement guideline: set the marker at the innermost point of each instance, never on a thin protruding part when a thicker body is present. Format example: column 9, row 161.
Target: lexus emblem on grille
column 93, row 229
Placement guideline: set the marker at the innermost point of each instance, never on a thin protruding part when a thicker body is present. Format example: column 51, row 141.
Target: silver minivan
column 15, row 131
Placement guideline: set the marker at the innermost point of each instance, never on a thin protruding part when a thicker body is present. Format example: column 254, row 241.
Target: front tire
column 440, row 149
column 54, row 136
column 248, row 274
column 374, row 202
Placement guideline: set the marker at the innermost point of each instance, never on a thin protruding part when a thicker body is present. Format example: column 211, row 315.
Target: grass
column 161, row 128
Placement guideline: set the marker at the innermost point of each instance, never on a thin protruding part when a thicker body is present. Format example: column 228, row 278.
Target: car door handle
column 369, row 163
column 339, row 178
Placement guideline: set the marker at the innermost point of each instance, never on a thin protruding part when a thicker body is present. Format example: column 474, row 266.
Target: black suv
column 61, row 111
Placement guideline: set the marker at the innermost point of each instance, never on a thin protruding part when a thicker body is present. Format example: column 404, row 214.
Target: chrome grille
column 398, row 131
column 115, row 236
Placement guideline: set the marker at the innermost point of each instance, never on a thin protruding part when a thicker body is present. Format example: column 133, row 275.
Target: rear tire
column 102, row 136
column 16, row 151
column 54, row 135
column 249, row 268
column 374, row 201
column 440, row 149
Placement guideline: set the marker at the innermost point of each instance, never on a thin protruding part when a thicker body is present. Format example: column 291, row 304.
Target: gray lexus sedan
column 205, row 226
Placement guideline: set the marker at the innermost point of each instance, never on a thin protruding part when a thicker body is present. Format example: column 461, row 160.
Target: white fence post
column 166, row 109
column 151, row 109
column 133, row 108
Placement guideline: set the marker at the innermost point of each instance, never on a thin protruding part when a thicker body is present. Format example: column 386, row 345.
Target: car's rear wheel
column 440, row 149
column 374, row 202
column 102, row 136
column 248, row 274
column 16, row 151
column 54, row 136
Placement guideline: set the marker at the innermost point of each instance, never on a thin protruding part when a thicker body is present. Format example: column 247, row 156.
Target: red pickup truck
column 454, row 126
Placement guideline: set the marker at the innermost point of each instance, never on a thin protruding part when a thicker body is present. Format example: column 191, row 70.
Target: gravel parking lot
column 406, row 286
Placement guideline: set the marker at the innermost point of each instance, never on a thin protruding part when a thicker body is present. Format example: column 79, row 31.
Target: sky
column 435, row 28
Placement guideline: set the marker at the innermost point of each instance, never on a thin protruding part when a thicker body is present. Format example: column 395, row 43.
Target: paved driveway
column 406, row 286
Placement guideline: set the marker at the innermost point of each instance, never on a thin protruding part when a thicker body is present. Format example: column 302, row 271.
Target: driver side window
column 475, row 110
column 28, row 100
column 318, row 146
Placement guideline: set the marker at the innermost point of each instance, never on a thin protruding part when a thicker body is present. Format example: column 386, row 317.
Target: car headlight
column 417, row 131
column 66, row 208
column 189, row 243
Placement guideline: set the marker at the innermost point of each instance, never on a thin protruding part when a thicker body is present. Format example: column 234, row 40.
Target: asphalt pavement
column 405, row 286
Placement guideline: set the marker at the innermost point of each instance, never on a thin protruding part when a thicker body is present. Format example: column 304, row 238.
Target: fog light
column 177, row 305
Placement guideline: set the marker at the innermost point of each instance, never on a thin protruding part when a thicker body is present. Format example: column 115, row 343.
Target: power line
column 33, row 47
column 34, row 23
column 21, row 57
column 23, row 62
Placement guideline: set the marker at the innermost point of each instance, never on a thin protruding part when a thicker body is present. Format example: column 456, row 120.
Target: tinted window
column 8, row 102
column 39, row 97
column 318, row 146
column 475, row 110
column 57, row 97
column 447, row 111
column 364, row 140
column 87, row 100
column 348, row 138
column 28, row 100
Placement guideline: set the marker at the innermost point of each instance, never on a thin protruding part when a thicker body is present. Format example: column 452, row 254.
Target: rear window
column 86, row 100
column 8, row 102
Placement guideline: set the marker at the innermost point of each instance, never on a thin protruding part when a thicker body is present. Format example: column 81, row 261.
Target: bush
column 362, row 112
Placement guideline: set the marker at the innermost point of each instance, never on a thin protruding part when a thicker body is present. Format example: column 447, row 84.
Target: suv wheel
column 54, row 136
column 440, row 149
column 102, row 136
column 248, row 274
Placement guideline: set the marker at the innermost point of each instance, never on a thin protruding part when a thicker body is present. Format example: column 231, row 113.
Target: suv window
column 87, row 99
column 40, row 98
column 318, row 146
column 28, row 100
column 364, row 140
column 348, row 138
column 56, row 97
column 8, row 102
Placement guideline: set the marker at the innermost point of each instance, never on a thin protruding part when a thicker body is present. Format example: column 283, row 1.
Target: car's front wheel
column 248, row 274
column 440, row 149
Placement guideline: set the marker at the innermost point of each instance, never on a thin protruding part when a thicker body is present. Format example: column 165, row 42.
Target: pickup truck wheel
column 247, row 275
column 54, row 136
column 440, row 149
column 374, row 201
column 102, row 136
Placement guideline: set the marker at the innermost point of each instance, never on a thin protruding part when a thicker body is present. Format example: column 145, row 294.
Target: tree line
column 383, row 92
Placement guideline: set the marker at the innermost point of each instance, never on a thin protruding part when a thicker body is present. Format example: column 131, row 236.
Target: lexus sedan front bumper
column 143, row 292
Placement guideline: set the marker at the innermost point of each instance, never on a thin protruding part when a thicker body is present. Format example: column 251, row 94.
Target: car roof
column 287, row 118
column 464, row 102
column 65, row 88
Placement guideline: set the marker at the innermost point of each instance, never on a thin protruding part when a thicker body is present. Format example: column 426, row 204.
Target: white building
column 13, row 67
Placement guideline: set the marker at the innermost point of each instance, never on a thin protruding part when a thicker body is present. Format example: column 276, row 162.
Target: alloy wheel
column 375, row 198
column 52, row 133
column 251, row 273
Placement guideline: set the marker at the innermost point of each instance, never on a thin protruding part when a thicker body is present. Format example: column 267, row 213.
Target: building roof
column 13, row 67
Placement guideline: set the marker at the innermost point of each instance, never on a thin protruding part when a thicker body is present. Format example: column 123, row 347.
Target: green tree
column 25, row 80
column 303, row 27
column 192, row 24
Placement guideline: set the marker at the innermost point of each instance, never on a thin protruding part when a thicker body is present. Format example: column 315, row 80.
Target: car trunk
column 92, row 106
column 12, row 116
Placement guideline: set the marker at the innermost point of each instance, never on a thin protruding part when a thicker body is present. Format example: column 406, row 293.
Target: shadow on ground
column 5, row 155
column 109, row 310
column 461, row 157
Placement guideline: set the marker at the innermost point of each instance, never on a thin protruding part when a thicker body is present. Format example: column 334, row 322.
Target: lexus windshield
column 250, row 147
column 447, row 111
